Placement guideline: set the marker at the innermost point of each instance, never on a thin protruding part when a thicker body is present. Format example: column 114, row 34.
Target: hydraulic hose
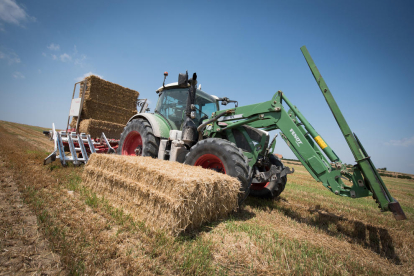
column 203, row 125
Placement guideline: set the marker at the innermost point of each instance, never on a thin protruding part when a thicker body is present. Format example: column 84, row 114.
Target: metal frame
column 70, row 138
column 143, row 103
column 81, row 105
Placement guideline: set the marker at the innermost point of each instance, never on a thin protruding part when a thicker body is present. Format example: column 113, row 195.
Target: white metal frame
column 70, row 138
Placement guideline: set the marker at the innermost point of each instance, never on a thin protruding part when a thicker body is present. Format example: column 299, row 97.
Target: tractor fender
column 159, row 126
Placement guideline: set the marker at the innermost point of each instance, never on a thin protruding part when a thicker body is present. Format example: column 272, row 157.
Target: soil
column 24, row 250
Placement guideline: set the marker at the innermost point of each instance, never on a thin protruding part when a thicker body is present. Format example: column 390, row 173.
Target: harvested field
column 306, row 231
column 23, row 249
column 164, row 195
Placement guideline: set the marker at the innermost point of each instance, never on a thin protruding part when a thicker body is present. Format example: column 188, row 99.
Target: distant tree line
column 397, row 176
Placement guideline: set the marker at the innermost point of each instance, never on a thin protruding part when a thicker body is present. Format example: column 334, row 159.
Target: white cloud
column 12, row 13
column 74, row 57
column 404, row 142
column 54, row 47
column 10, row 56
column 87, row 75
column 65, row 57
column 18, row 75
column 79, row 61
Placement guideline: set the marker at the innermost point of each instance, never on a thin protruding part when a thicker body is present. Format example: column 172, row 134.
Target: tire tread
column 240, row 164
column 148, row 138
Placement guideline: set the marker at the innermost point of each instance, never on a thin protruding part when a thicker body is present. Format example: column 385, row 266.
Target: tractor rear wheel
column 271, row 189
column 138, row 139
column 224, row 157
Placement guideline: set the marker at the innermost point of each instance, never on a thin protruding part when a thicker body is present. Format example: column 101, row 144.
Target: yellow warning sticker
column 320, row 142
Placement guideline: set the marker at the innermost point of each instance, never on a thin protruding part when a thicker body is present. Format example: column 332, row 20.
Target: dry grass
column 164, row 195
column 29, row 134
column 307, row 231
column 23, row 250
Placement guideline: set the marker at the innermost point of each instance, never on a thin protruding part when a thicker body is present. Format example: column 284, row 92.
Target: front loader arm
column 303, row 140
column 298, row 134
column 308, row 146
column 371, row 177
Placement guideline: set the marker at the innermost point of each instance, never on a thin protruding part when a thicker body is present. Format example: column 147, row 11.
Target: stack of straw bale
column 105, row 104
column 165, row 195
column 96, row 127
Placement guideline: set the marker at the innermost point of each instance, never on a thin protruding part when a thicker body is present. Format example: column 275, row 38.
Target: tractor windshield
column 172, row 104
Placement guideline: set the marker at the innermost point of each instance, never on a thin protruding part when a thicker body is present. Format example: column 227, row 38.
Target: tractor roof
column 175, row 85
column 170, row 86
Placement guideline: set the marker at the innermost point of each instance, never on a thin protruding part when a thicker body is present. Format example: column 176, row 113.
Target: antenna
column 165, row 76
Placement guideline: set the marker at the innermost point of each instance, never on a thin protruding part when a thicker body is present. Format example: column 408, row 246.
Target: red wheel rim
column 259, row 186
column 132, row 142
column 210, row 161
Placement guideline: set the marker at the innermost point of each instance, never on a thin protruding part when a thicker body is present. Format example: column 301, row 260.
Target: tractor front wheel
column 271, row 189
column 138, row 139
column 224, row 157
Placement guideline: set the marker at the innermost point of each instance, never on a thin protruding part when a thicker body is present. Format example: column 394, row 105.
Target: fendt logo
column 298, row 141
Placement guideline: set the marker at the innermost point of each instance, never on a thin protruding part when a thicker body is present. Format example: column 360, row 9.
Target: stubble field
column 50, row 223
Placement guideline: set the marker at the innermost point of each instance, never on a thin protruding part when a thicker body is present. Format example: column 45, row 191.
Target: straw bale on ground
column 96, row 127
column 165, row 195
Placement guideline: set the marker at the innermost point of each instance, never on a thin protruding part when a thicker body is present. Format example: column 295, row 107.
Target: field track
column 50, row 223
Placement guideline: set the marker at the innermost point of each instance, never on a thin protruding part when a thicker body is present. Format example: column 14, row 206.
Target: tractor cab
column 172, row 102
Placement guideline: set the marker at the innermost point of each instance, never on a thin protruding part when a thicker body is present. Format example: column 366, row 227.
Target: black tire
column 129, row 143
column 274, row 188
column 226, row 156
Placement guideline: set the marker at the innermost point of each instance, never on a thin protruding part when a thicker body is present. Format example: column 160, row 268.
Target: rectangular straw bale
column 165, row 195
column 107, row 92
column 106, row 112
column 107, row 101
column 96, row 127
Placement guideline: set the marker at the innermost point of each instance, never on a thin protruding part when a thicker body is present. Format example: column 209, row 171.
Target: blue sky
column 245, row 50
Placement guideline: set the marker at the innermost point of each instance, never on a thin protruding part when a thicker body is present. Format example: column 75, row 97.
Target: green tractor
column 188, row 127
